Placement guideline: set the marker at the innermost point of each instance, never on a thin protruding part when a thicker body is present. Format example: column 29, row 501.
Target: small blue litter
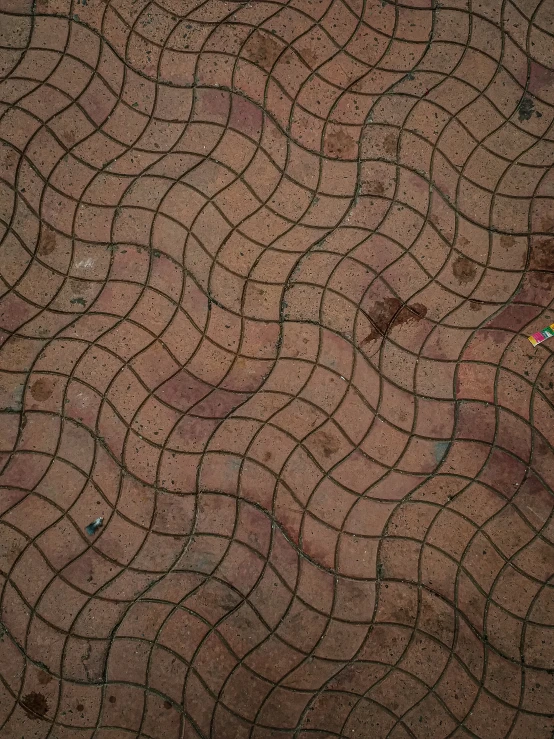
column 93, row 527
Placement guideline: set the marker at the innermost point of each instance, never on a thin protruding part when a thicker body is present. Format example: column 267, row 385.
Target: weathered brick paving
column 267, row 273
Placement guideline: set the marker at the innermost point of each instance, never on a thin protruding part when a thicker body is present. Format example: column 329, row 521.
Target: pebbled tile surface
column 267, row 272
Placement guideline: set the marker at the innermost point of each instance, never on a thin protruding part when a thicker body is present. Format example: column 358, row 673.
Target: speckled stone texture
column 267, row 272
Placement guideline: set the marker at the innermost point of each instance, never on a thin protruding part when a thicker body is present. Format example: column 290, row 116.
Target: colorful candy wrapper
column 539, row 336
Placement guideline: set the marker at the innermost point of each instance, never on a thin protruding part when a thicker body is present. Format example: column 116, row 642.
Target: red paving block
column 267, row 272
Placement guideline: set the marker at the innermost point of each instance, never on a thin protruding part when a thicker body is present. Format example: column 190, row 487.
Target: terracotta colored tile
column 273, row 329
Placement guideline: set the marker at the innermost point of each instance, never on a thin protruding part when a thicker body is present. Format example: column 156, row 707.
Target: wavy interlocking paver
column 267, row 273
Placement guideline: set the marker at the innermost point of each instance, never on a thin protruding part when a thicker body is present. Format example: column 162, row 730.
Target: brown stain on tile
column 403, row 613
column 246, row 117
column 8, row 156
column 541, row 280
column 340, row 144
column 537, row 286
column 540, row 77
column 384, row 311
column 507, row 241
column 35, row 705
column 327, row 443
column 167, row 705
column 373, row 187
column 263, row 50
column 41, row 389
column 464, row 269
column 392, row 312
column 389, row 144
column 79, row 287
column 492, row 335
column 309, row 55
column 542, row 254
column 68, row 136
column 47, row 243
column 44, row 678
column 547, row 223
column 214, row 103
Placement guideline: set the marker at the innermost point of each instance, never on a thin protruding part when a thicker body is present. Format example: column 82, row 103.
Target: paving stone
column 267, row 271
